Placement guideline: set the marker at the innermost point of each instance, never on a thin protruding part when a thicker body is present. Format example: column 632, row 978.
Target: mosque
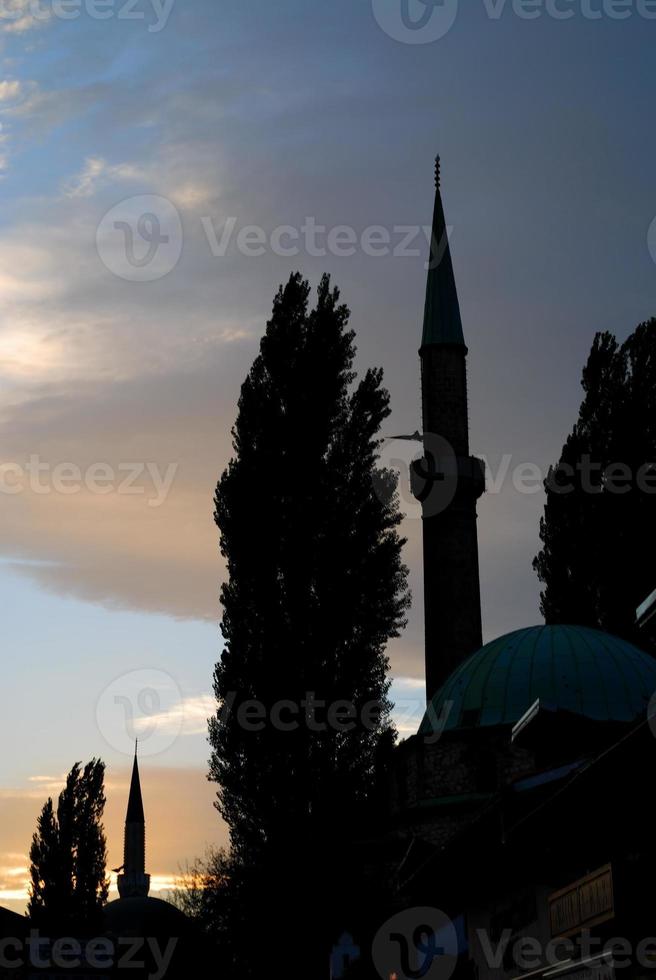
column 156, row 931
column 520, row 808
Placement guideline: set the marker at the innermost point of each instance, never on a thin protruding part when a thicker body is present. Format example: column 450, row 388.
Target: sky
column 165, row 164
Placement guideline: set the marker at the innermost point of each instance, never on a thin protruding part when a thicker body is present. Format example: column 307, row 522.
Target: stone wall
column 437, row 787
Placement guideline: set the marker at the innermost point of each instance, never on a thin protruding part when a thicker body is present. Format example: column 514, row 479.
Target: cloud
column 115, row 548
column 94, row 369
column 187, row 717
column 84, row 183
column 28, row 113
column 9, row 90
column 97, row 172
column 38, row 111
column 20, row 16
column 99, row 371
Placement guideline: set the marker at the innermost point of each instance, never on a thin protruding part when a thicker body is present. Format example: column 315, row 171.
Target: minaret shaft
column 444, row 394
column 134, row 847
column 452, row 603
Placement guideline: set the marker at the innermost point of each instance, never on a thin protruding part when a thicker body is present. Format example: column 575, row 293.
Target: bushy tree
column 68, row 853
column 599, row 526
column 198, row 886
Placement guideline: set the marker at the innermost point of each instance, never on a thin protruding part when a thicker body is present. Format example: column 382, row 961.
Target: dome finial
column 438, row 164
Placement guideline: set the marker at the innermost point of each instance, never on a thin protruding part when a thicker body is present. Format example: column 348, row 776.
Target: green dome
column 571, row 668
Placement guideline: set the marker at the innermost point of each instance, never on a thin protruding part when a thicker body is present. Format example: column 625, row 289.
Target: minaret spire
column 134, row 882
column 442, row 322
column 452, row 607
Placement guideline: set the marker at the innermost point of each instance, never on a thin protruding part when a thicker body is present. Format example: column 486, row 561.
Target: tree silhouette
column 316, row 589
column 198, row 887
column 68, row 853
column 599, row 526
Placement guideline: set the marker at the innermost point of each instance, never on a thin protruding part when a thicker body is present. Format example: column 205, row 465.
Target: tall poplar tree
column 316, row 588
column 68, row 853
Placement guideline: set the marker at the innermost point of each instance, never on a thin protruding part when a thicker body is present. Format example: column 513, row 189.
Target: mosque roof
column 12, row 925
column 571, row 668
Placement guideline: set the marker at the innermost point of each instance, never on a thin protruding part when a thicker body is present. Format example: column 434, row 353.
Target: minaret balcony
column 435, row 482
column 133, row 884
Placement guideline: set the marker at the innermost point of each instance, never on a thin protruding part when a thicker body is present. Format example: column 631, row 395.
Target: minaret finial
column 438, row 164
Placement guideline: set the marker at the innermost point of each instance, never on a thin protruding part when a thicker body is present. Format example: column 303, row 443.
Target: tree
column 316, row 588
column 599, row 526
column 212, row 892
column 197, row 889
column 68, row 853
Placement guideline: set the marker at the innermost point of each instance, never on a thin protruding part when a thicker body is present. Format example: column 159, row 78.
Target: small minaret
column 452, row 604
column 134, row 882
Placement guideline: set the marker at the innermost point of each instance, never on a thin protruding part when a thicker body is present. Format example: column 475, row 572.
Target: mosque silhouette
column 522, row 803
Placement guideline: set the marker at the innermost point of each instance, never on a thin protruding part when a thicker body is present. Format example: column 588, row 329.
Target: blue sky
column 268, row 114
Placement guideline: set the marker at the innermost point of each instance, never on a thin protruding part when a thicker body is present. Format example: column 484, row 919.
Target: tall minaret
column 134, row 882
column 450, row 480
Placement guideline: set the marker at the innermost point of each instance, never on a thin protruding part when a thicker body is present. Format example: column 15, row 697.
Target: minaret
column 134, row 882
column 448, row 480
